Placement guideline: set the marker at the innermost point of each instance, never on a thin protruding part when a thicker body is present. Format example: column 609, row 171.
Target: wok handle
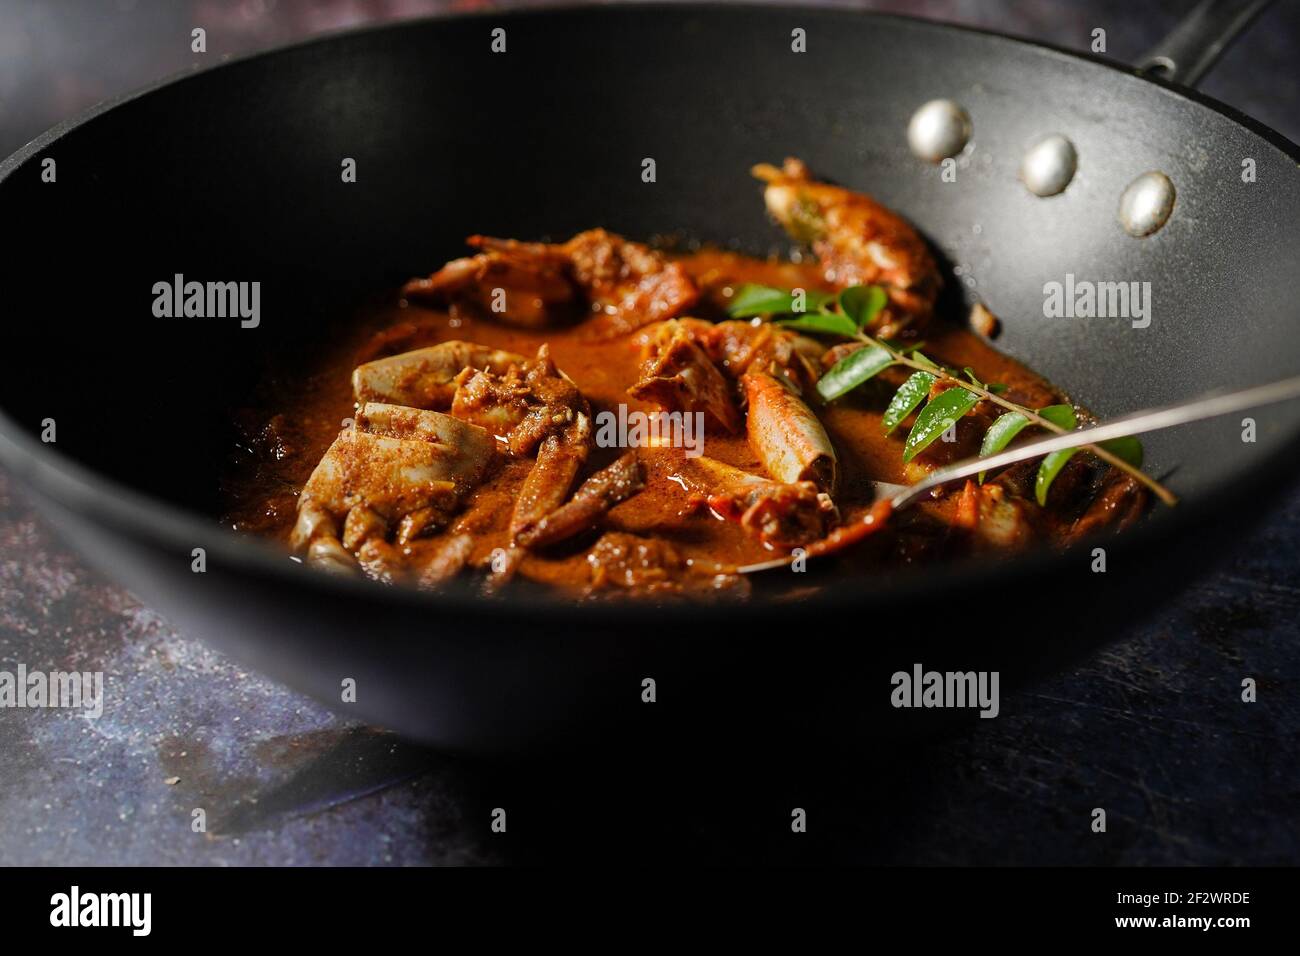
column 1200, row 38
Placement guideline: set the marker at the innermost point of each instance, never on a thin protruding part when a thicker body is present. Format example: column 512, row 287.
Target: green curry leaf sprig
column 850, row 313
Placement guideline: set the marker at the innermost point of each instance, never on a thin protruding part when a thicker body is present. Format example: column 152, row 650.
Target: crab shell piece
column 398, row 465
column 426, row 378
column 677, row 375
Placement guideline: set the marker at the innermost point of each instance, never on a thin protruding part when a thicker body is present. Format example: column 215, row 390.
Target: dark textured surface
column 1153, row 729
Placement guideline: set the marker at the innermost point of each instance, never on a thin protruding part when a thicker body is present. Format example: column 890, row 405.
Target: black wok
column 234, row 174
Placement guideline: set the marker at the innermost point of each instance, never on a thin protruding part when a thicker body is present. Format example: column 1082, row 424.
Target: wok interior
column 234, row 175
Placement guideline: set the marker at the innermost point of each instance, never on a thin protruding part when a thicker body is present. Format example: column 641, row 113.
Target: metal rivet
column 938, row 130
column 1146, row 204
column 1049, row 166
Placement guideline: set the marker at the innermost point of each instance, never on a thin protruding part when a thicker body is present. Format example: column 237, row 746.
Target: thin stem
column 1159, row 490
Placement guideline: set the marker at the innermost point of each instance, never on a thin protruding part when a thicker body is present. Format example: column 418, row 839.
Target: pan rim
column 48, row 472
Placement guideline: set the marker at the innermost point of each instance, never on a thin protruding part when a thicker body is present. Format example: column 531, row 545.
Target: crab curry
column 592, row 416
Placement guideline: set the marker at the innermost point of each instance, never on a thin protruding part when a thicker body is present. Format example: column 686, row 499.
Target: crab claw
column 779, row 514
column 786, row 435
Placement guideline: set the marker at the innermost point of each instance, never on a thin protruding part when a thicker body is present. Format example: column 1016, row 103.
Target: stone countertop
column 1153, row 728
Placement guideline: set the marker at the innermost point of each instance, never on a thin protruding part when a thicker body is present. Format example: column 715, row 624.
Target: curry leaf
column 862, row 303
column 997, row 388
column 751, row 300
column 831, row 323
column 1047, row 471
column 815, row 301
column 907, row 398
column 1000, row 433
column 1127, row 450
column 1062, row 416
column 852, row 370
column 924, row 360
column 936, row 418
column 1009, row 425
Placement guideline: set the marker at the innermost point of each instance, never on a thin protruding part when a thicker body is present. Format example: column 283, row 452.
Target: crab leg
column 560, row 457
column 534, row 284
column 602, row 491
column 523, row 284
column 452, row 555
